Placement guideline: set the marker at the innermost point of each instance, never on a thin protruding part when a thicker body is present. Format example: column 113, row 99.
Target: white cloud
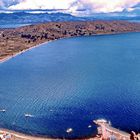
column 109, row 5
column 43, row 4
column 72, row 6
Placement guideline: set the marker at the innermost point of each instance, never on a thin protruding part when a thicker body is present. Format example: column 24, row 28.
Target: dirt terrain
column 13, row 41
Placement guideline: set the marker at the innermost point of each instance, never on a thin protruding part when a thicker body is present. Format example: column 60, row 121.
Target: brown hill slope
column 13, row 41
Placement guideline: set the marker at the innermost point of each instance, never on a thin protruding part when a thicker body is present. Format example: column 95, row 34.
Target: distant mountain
column 31, row 18
column 41, row 16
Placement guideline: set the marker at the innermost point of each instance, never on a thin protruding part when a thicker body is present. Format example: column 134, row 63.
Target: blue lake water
column 70, row 82
column 12, row 25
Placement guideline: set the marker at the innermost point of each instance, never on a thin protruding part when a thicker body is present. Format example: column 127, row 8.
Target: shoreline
column 104, row 131
column 22, row 136
column 16, row 41
column 18, row 53
column 39, row 45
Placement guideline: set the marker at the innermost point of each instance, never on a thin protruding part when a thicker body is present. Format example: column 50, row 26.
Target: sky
column 74, row 6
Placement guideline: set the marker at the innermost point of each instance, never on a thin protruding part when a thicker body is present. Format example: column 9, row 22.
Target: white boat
column 69, row 130
column 2, row 110
column 89, row 126
column 28, row 115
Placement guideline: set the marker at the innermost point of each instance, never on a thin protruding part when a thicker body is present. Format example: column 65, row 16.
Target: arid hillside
column 13, row 41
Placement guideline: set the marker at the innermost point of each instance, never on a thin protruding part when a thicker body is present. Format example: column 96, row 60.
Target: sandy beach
column 21, row 136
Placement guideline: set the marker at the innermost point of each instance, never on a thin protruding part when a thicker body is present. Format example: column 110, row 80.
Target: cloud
column 7, row 3
column 109, row 5
column 43, row 4
column 74, row 6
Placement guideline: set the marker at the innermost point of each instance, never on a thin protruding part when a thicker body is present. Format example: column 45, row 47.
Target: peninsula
column 15, row 41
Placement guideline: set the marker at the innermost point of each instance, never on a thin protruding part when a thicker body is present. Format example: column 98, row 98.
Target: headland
column 18, row 40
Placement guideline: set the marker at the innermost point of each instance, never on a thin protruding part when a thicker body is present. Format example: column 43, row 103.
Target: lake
column 69, row 83
column 2, row 26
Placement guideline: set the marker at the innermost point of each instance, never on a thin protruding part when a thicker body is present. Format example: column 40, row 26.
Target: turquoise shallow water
column 70, row 82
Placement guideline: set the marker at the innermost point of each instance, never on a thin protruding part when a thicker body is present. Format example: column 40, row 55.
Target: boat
column 69, row 130
column 2, row 110
column 89, row 126
column 28, row 115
